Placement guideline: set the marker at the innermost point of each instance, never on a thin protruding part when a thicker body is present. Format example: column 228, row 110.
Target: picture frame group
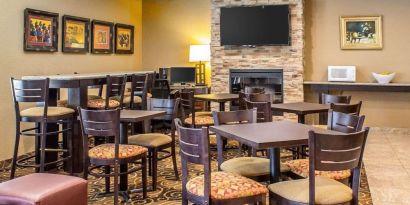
column 79, row 35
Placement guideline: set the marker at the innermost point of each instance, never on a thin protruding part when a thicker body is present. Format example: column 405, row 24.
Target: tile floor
column 387, row 162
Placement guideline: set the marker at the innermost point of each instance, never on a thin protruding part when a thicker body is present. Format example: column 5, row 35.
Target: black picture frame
column 119, row 42
column 86, row 35
column 40, row 38
column 98, row 49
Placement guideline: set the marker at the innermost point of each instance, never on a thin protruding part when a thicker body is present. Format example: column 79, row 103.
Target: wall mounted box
column 341, row 73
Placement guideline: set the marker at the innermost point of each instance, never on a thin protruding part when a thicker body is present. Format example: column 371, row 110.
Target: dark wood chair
column 328, row 99
column 254, row 90
column 353, row 109
column 158, row 142
column 161, row 89
column 106, row 123
column 114, row 95
column 256, row 168
column 245, row 95
column 262, row 103
column 37, row 91
column 136, row 98
column 227, row 188
column 189, row 113
column 337, row 121
column 327, row 153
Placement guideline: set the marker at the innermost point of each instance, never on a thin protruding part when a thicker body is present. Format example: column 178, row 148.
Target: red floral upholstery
column 225, row 185
column 301, row 168
column 106, row 151
column 201, row 120
column 100, row 103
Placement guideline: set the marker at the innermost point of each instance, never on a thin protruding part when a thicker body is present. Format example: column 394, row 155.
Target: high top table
column 301, row 109
column 77, row 85
column 221, row 98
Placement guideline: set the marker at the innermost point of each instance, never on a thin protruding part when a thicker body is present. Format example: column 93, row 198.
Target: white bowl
column 383, row 79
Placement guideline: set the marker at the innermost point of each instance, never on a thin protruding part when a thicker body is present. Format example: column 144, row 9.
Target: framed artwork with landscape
column 102, row 37
column 124, row 39
column 361, row 32
column 76, row 33
column 40, row 31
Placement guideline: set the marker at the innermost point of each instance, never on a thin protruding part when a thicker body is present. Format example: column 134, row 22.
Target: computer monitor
column 182, row 75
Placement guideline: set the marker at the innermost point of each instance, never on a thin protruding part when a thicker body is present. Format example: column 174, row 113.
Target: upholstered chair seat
column 250, row 166
column 107, row 151
column 64, row 103
column 51, row 111
column 200, row 120
column 328, row 191
column 202, row 113
column 301, row 168
column 226, row 185
column 127, row 99
column 100, row 104
column 40, row 188
column 150, row 139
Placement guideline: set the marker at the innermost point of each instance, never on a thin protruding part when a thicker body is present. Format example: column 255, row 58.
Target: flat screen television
column 182, row 75
column 255, row 25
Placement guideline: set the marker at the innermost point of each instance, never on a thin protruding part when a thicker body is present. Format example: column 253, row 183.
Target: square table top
column 301, row 107
column 217, row 97
column 269, row 134
column 139, row 115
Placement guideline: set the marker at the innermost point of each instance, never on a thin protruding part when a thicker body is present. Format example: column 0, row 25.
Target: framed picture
column 124, row 39
column 361, row 32
column 76, row 34
column 40, row 31
column 102, row 37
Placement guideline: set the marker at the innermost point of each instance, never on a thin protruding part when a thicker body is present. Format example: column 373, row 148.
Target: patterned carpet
column 168, row 191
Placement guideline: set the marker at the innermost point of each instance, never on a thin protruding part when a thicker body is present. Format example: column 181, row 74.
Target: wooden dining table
column 77, row 86
column 269, row 135
column 220, row 98
column 301, row 109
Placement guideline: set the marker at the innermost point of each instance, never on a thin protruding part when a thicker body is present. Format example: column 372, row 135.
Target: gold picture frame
column 361, row 32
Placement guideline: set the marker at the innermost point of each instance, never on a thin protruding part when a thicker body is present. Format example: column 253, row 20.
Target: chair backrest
column 194, row 148
column 234, row 117
column 353, row 109
column 139, row 88
column 100, row 123
column 115, row 88
column 345, row 123
column 264, row 110
column 33, row 91
column 327, row 99
column 246, row 93
column 161, row 89
column 250, row 90
column 329, row 152
column 188, row 105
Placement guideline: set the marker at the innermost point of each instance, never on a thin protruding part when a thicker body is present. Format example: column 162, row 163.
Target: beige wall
column 170, row 26
column 323, row 49
column 15, row 62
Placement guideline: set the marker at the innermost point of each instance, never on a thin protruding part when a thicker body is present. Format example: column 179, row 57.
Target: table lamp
column 200, row 54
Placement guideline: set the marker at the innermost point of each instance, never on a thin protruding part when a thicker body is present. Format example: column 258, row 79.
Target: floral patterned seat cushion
column 225, row 185
column 301, row 168
column 100, row 103
column 106, row 151
column 201, row 120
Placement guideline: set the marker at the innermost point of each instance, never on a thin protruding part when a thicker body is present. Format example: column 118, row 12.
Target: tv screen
column 259, row 25
column 182, row 75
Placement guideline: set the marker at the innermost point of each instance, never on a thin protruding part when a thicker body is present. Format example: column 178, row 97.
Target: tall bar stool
column 114, row 95
column 36, row 91
column 137, row 97
column 101, row 159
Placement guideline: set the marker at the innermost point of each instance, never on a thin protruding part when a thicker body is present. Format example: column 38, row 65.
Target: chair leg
column 149, row 163
column 154, row 168
column 43, row 146
column 70, row 145
column 263, row 200
column 174, row 162
column 184, row 198
column 15, row 153
column 107, row 179
column 116, row 183
column 144, row 177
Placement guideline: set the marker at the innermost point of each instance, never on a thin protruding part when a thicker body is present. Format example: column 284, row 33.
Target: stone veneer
column 288, row 58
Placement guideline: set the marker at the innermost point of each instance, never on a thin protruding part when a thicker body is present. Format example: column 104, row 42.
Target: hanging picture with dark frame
column 40, row 31
column 102, row 37
column 76, row 34
column 124, row 39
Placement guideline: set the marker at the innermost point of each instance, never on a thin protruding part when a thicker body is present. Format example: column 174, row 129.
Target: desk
column 77, row 85
column 269, row 135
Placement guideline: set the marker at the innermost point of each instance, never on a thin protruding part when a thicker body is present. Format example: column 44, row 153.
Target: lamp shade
column 199, row 53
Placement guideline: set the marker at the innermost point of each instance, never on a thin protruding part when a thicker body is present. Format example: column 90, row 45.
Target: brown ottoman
column 44, row 189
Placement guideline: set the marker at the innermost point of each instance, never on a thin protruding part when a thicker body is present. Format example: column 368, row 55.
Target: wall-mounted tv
column 255, row 25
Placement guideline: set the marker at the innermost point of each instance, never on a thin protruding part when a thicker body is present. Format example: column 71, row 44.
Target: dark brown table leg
column 124, row 167
column 221, row 106
column 274, row 162
column 301, row 118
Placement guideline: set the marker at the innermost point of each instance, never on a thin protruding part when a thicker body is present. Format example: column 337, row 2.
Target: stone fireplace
column 288, row 58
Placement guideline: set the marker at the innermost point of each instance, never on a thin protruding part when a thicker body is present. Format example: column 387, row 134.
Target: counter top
column 353, row 83
column 83, row 75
